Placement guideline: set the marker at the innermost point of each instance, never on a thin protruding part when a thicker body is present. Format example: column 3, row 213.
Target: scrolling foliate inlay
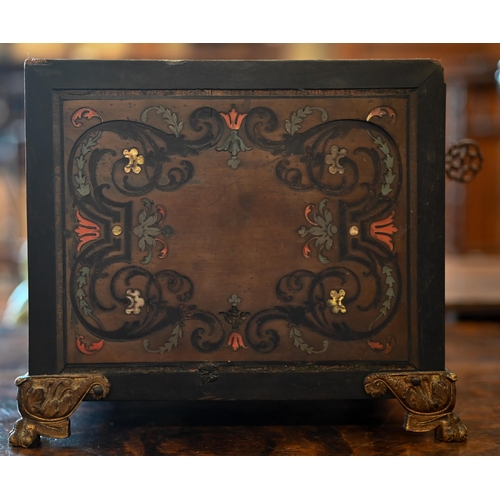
column 122, row 174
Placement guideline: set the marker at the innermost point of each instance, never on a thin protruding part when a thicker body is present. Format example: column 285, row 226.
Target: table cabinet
column 235, row 230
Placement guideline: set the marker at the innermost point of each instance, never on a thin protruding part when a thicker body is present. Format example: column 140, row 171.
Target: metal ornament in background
column 463, row 160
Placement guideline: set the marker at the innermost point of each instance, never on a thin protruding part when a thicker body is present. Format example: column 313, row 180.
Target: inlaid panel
column 235, row 226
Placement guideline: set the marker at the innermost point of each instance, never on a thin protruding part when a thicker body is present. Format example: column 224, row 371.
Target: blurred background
column 473, row 111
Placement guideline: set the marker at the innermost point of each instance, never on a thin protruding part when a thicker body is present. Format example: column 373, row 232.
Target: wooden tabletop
column 471, row 283
column 371, row 427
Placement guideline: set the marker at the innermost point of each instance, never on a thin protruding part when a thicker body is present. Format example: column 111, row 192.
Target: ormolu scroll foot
column 427, row 397
column 46, row 402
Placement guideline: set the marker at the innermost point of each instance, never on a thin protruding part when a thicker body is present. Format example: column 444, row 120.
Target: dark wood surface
column 211, row 428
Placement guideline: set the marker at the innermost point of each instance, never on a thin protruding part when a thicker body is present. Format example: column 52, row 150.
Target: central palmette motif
column 234, row 143
column 336, row 279
column 321, row 233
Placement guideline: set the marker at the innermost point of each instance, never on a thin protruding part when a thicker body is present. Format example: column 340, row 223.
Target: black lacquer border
column 40, row 181
column 430, row 105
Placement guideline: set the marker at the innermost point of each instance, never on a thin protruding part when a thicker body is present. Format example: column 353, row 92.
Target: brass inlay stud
column 354, row 230
column 117, row 230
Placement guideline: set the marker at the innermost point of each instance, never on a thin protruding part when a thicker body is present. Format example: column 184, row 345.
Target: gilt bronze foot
column 427, row 397
column 46, row 402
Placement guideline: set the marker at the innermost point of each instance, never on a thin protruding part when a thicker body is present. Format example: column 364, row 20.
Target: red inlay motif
column 86, row 230
column 233, row 119
column 81, row 113
column 235, row 341
column 91, row 349
column 383, row 229
column 381, row 112
column 164, row 250
column 385, row 349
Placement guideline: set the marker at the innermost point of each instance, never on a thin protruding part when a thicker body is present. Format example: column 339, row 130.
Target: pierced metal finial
column 463, row 160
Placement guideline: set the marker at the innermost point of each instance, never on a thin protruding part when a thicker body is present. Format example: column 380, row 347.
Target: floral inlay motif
column 80, row 178
column 233, row 119
column 322, row 231
column 92, row 348
column 86, row 231
column 170, row 118
column 301, row 344
column 233, row 143
column 235, row 318
column 148, row 232
column 381, row 112
column 81, row 113
column 297, row 117
column 335, row 301
column 383, row 348
column 384, row 229
column 346, row 195
column 389, row 163
column 390, row 294
column 333, row 160
column 135, row 160
column 81, row 296
column 136, row 302
column 170, row 344
column 235, row 341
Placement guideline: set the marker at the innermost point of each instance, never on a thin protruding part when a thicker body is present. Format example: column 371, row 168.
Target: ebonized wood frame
column 427, row 102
